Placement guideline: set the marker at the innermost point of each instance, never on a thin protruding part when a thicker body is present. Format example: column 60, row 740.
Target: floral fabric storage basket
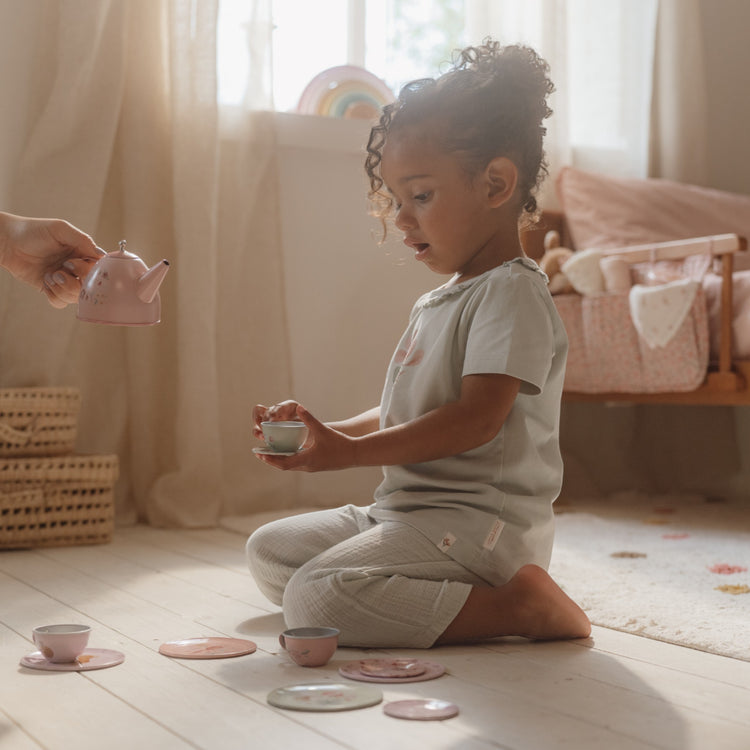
column 56, row 501
column 607, row 355
column 38, row 421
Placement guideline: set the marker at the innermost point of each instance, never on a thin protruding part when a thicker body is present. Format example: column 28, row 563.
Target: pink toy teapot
column 122, row 290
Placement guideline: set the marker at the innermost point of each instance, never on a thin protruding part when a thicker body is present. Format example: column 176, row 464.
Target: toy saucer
column 207, row 648
column 421, row 710
column 91, row 658
column 269, row 452
column 324, row 696
column 392, row 670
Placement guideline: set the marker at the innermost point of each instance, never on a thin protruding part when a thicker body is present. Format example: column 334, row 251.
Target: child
column 455, row 546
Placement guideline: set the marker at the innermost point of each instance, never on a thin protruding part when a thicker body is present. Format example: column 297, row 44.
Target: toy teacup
column 284, row 437
column 310, row 647
column 61, row 643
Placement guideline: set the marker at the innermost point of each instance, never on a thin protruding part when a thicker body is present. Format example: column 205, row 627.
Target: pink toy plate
column 391, row 670
column 421, row 710
column 207, row 648
column 91, row 658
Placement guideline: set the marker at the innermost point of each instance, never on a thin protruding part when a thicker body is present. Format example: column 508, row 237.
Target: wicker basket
column 38, row 421
column 58, row 501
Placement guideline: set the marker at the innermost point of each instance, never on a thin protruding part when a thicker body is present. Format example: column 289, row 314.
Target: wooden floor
column 611, row 692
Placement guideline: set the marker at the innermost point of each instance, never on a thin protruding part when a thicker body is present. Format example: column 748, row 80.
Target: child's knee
column 264, row 564
column 256, row 548
column 325, row 598
column 311, row 599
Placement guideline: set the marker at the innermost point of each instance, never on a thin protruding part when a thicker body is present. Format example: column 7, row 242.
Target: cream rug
column 673, row 568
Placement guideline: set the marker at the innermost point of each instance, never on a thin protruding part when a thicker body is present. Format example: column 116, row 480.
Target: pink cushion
column 605, row 212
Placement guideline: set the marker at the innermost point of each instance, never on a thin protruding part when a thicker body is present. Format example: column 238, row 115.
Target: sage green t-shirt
column 489, row 508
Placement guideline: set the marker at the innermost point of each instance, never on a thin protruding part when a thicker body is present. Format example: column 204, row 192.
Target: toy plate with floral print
column 324, row 696
column 392, row 670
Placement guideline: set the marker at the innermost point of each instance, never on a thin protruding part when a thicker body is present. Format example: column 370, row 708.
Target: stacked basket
column 50, row 497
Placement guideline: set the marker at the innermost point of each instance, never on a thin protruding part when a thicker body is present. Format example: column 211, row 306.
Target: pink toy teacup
column 61, row 643
column 310, row 647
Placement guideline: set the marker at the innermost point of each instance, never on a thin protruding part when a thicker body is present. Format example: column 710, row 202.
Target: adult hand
column 325, row 449
column 48, row 254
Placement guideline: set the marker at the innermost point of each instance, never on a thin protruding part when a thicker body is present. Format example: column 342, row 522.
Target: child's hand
column 286, row 410
column 326, row 449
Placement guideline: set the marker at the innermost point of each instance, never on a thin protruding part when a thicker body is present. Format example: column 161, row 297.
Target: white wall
column 348, row 296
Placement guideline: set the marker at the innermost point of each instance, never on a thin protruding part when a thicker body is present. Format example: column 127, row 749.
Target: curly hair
column 492, row 102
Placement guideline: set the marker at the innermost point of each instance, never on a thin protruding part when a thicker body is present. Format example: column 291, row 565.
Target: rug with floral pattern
column 673, row 568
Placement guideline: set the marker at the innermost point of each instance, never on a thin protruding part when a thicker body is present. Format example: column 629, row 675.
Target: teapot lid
column 122, row 252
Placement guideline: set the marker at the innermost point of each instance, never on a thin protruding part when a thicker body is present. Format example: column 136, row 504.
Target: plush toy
column 552, row 261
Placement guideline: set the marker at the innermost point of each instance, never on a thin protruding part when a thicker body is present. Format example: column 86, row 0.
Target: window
column 608, row 83
column 601, row 55
column 388, row 37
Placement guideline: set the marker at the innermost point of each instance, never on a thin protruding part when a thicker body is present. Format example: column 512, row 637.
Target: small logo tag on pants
column 494, row 535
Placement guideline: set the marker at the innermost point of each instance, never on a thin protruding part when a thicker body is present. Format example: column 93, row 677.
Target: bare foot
column 545, row 611
column 531, row 605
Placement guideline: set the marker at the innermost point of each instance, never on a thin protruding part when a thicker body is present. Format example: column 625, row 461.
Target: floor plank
column 722, row 669
column 150, row 585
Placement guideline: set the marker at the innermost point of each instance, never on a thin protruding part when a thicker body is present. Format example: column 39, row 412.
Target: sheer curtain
column 118, row 130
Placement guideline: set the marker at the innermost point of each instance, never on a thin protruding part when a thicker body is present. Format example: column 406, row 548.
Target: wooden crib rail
column 720, row 245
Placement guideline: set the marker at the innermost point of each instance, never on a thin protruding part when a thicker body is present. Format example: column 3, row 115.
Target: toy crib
column 613, row 355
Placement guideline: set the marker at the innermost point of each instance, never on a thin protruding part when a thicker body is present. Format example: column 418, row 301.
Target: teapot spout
column 149, row 283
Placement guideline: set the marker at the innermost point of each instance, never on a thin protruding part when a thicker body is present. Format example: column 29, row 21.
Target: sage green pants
column 381, row 584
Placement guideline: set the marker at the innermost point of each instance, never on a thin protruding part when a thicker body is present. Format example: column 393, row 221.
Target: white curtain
column 114, row 125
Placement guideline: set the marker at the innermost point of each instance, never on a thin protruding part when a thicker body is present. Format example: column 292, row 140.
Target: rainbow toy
column 345, row 91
